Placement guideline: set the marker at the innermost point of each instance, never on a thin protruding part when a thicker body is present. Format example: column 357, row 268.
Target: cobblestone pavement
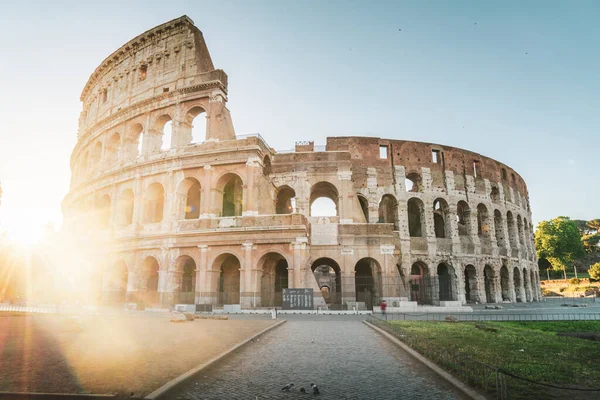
column 347, row 360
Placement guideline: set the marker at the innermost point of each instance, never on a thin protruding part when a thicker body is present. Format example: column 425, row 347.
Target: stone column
column 497, row 285
column 138, row 203
column 345, row 187
column 246, row 293
column 248, row 206
column 298, row 268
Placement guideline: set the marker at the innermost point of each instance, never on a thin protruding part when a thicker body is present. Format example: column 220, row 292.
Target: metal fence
column 493, row 381
column 575, row 316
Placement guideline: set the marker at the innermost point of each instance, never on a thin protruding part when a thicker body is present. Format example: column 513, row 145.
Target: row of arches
column 487, row 286
column 159, row 135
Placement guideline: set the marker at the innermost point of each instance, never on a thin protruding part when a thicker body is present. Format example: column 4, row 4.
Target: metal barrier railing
column 500, row 317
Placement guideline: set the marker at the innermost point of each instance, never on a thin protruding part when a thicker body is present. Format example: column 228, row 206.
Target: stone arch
column 186, row 287
column 441, row 218
column 135, row 141
column 188, row 199
column 416, row 217
column 446, row 282
column 150, row 281
column 125, row 208
column 483, row 221
column 196, row 121
column 113, row 147
column 231, row 188
column 388, row 210
column 413, row 182
column 499, row 228
column 420, row 283
column 154, row 203
column 103, row 211
column 367, row 282
column 285, row 200
column 527, row 285
column 364, row 206
column 471, row 285
column 489, row 279
column 495, row 195
column 328, row 273
column 163, row 133
column 505, row 284
column 228, row 266
column 520, row 234
column 274, row 278
column 518, row 285
column 510, row 223
column 463, row 213
column 324, row 199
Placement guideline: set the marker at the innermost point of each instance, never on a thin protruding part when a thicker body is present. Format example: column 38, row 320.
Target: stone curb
column 53, row 396
column 164, row 389
column 466, row 390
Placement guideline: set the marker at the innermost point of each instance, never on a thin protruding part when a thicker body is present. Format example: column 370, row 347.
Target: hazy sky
column 517, row 81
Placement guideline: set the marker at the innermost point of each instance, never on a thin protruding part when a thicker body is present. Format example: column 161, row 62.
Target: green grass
column 545, row 357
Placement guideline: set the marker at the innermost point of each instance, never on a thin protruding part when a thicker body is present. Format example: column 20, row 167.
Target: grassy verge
column 527, row 349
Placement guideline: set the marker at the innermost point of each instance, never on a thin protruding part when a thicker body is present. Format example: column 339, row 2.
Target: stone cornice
column 131, row 47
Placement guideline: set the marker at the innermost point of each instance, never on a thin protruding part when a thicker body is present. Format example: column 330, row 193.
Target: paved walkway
column 347, row 360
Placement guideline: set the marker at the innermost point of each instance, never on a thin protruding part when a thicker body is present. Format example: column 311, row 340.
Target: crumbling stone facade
column 228, row 220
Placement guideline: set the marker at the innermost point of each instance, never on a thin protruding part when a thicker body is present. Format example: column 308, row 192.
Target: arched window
column 135, row 141
column 415, row 217
column 446, row 282
column 187, row 289
column 520, row 230
column 495, row 195
column 229, row 278
column 283, row 205
column 112, row 150
column 510, row 223
column 150, row 270
column 125, row 208
column 413, row 182
column 323, row 200
column 440, row 219
column 388, row 210
column 463, row 212
column 164, row 131
column 154, row 202
column 471, row 285
column 189, row 199
column 364, row 206
column 196, row 118
column 233, row 194
column 499, row 228
column 483, row 223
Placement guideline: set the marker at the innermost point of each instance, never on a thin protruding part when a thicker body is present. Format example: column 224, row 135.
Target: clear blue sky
column 516, row 81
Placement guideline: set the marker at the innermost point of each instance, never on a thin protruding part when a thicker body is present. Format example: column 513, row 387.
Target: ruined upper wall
column 365, row 153
column 163, row 59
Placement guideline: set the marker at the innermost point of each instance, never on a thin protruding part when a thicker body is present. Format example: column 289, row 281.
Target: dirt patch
column 595, row 336
column 109, row 355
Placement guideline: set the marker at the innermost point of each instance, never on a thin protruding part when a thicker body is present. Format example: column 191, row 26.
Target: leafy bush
column 574, row 281
column 594, row 271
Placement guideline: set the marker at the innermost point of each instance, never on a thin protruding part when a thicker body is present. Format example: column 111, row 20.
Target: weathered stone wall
column 210, row 208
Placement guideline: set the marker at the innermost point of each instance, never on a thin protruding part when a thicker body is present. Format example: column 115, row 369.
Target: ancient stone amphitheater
column 188, row 212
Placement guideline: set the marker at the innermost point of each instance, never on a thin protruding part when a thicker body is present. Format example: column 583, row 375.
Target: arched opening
column 471, row 285
column 441, row 224
column 499, row 228
column 187, row 288
column 504, row 284
column 283, row 204
column 149, row 293
column 103, row 211
column 233, row 195
column 364, row 206
column 118, row 284
column 229, row 278
column 154, row 203
column 136, row 141
column 518, row 285
column 125, row 208
column 323, row 200
column 327, row 272
column 266, row 165
column 495, row 195
column 510, row 223
column 420, row 283
column 463, row 212
column 413, row 182
column 446, row 282
column 488, row 282
column 366, row 282
column 274, row 279
column 164, row 131
column 96, row 157
column 388, row 210
column 526, row 285
column 188, row 195
column 196, row 118
column 534, row 285
column 112, row 150
column 483, row 223
column 415, row 217
column 520, row 230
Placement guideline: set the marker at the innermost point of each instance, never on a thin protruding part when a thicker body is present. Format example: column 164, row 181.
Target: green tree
column 590, row 242
column 594, row 225
column 594, row 271
column 559, row 241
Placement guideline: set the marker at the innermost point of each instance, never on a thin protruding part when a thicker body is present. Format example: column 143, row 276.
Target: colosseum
column 191, row 213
